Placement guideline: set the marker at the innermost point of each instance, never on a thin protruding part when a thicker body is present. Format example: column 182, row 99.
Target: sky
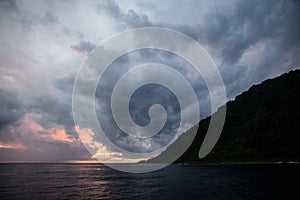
column 43, row 44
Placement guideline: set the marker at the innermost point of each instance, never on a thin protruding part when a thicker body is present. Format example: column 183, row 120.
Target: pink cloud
column 61, row 135
column 78, row 50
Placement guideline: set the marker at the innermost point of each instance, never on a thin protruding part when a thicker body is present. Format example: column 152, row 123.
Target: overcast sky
column 44, row 42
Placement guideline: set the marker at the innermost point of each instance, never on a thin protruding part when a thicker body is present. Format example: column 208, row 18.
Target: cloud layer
column 250, row 41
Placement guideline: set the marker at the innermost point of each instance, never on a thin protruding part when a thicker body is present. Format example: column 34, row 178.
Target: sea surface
column 177, row 181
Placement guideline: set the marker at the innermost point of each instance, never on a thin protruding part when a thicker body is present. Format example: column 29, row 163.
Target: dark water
column 90, row 181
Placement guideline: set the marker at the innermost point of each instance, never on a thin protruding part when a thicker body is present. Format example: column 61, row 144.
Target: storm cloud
column 43, row 44
column 11, row 108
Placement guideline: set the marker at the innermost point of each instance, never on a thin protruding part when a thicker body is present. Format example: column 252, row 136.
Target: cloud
column 99, row 150
column 32, row 142
column 10, row 5
column 60, row 135
column 250, row 41
column 11, row 109
column 65, row 83
column 83, row 48
column 230, row 33
column 53, row 112
column 10, row 145
column 129, row 18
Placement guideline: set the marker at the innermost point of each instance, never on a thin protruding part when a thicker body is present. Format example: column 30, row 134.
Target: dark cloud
column 144, row 97
column 83, row 47
column 11, row 109
column 254, row 21
column 54, row 112
column 11, row 112
column 129, row 18
column 10, row 5
column 256, row 41
column 271, row 27
column 65, row 83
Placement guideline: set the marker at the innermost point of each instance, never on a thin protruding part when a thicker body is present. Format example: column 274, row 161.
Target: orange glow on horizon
column 102, row 153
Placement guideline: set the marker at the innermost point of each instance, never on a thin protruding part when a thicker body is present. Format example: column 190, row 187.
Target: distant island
column 262, row 125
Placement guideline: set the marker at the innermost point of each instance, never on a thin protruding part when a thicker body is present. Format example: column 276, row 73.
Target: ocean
column 177, row 181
